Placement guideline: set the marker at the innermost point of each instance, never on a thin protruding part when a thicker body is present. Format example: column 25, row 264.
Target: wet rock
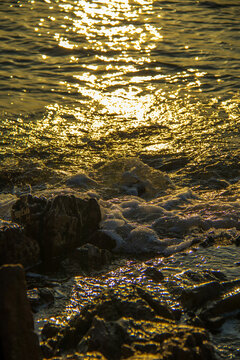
column 237, row 241
column 88, row 356
column 197, row 296
column 161, row 309
column 17, row 337
column 218, row 183
column 114, row 308
column 154, row 274
column 209, row 241
column 102, row 240
column 131, row 321
column 174, row 164
column 105, row 337
column 230, row 303
column 169, row 341
column 50, row 330
column 91, row 257
column 204, row 275
column 59, row 224
column 47, row 351
column 16, row 247
column 39, row 298
column 214, row 323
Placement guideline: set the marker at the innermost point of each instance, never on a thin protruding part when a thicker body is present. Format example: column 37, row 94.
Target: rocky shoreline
column 90, row 303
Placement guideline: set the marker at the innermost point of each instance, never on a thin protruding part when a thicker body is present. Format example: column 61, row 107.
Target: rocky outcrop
column 129, row 323
column 17, row 337
column 16, row 247
column 145, row 338
column 58, row 224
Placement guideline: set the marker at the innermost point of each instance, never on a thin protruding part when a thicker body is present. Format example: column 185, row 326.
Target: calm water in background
column 111, row 78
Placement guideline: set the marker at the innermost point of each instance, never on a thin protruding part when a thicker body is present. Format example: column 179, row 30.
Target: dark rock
column 39, row 298
column 154, row 274
column 197, row 296
column 169, row 341
column 174, row 164
column 229, row 303
column 218, row 183
column 218, row 274
column 204, row 275
column 237, row 241
column 209, row 241
column 50, row 330
column 214, row 323
column 47, row 351
column 87, row 356
column 59, row 224
column 102, row 240
column 17, row 337
column 161, row 309
column 150, row 347
column 196, row 321
column 16, row 247
column 126, row 351
column 114, row 308
column 105, row 337
column 126, row 322
column 91, row 257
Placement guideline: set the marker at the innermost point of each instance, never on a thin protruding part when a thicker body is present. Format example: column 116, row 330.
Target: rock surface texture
column 16, row 247
column 17, row 337
column 58, row 224
column 130, row 324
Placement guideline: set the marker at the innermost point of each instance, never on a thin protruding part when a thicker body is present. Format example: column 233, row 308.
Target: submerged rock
column 17, row 337
column 59, row 224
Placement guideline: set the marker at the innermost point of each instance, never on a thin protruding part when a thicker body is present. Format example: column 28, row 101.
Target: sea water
column 135, row 103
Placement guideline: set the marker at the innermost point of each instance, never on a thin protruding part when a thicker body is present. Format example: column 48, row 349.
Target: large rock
column 128, row 322
column 16, row 247
column 147, row 338
column 58, row 224
column 17, row 338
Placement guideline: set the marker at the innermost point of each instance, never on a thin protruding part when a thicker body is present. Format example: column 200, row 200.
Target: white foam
column 81, row 180
column 168, row 223
column 132, row 176
column 143, row 239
